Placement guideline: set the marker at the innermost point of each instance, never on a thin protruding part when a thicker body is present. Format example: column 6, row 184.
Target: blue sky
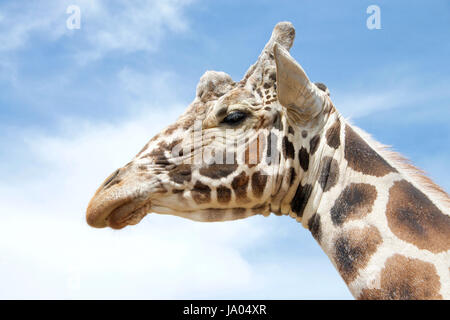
column 76, row 104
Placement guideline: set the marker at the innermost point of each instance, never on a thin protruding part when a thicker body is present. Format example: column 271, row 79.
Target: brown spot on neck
column 414, row 218
column 354, row 202
column 288, row 148
column 303, row 157
column 329, row 173
column 300, row 199
column 314, row 144
column 292, row 176
column 333, row 135
column 405, row 278
column 315, row 227
column 353, row 249
column 362, row 158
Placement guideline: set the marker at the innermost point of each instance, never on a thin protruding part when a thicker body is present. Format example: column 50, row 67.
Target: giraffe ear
column 295, row 91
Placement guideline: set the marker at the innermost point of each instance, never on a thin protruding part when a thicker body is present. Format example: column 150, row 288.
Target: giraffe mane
column 416, row 175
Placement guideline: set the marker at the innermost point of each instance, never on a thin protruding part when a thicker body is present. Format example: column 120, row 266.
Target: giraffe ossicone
column 274, row 143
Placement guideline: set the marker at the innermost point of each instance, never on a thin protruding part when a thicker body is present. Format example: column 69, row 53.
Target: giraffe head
column 230, row 155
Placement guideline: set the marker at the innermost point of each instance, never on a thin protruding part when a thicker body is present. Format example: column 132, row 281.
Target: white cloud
column 363, row 104
column 48, row 251
column 8, row 71
column 19, row 23
column 389, row 88
column 131, row 27
column 105, row 25
column 157, row 87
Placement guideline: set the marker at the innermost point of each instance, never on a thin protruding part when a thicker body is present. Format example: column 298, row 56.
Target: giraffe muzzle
column 128, row 214
column 118, row 214
column 116, row 204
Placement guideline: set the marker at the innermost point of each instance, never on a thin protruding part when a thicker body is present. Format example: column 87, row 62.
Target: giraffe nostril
column 108, row 181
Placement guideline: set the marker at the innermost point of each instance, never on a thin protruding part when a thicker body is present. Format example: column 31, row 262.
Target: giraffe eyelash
column 234, row 118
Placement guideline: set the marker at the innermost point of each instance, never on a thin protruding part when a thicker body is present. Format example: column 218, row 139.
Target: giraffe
column 384, row 225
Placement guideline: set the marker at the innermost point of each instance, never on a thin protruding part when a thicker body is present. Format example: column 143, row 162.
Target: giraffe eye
column 235, row 118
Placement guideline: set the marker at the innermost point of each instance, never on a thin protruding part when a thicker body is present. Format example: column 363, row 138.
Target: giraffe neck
column 386, row 237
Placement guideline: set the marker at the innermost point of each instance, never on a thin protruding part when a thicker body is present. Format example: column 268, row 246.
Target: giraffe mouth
column 130, row 213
